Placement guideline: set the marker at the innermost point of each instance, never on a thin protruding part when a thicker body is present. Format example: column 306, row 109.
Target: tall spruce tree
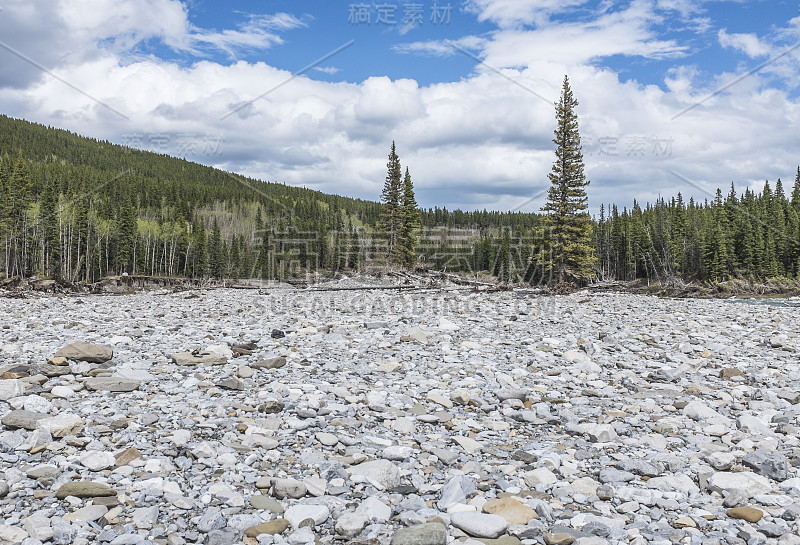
column 409, row 223
column 570, row 256
column 392, row 213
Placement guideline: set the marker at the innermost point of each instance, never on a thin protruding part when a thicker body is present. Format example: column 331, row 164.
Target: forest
column 78, row 209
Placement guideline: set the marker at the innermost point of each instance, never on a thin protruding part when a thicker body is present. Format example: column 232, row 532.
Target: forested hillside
column 75, row 208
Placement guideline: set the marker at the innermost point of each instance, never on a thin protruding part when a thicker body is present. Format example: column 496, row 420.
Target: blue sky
column 668, row 102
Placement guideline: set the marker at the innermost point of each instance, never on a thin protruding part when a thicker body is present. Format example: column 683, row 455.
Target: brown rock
column 514, row 511
column 276, row 526
column 730, row 372
column 84, row 489
column 127, row 456
column 745, row 513
column 81, row 351
column 60, row 361
column 560, row 538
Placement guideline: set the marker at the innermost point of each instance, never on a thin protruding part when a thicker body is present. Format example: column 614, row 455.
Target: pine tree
column 390, row 197
column 51, row 249
column 216, row 256
column 409, row 225
column 128, row 231
column 568, row 222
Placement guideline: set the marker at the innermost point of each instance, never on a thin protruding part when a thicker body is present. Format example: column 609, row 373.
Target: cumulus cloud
column 484, row 141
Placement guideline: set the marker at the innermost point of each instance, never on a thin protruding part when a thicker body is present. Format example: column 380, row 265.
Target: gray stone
column 431, row 533
column 22, row 419
column 768, row 463
column 455, row 491
column 145, row 517
column 274, row 362
column 112, row 384
column 212, row 519
column 82, row 351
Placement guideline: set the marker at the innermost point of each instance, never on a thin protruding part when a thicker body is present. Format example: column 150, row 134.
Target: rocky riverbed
column 412, row 418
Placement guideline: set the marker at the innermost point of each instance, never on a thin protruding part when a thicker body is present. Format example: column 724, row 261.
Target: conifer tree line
column 79, row 209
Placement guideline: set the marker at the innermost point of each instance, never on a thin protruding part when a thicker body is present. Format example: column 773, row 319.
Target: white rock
column 97, row 460
column 540, row 475
column 298, row 513
column 742, row 482
column 374, row 509
column 64, row 392
column 480, row 524
column 383, row 474
column 350, row 525
column 62, row 424
column 11, row 388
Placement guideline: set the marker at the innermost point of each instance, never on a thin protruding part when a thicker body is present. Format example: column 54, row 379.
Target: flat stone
column 749, row 514
column 431, row 533
column 88, row 513
column 467, row 443
column 327, row 439
column 111, row 384
column 259, row 501
column 743, row 482
column 276, row 526
column 558, row 538
column 275, row 362
column 190, row 359
column 514, row 511
column 27, row 420
column 84, row 489
column 440, row 400
column 82, row 351
column 127, row 456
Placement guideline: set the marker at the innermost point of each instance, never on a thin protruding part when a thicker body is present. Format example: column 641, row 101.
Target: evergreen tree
column 51, row 249
column 409, row 214
column 216, row 255
column 569, row 225
column 392, row 213
column 128, row 231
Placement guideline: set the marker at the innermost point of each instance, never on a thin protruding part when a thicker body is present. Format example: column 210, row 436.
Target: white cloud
column 482, row 141
column 517, row 13
column 330, row 70
column 749, row 44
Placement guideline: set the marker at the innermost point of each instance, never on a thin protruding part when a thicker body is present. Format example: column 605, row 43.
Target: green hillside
column 75, row 208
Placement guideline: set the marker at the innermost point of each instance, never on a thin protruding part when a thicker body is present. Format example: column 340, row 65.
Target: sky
column 674, row 95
